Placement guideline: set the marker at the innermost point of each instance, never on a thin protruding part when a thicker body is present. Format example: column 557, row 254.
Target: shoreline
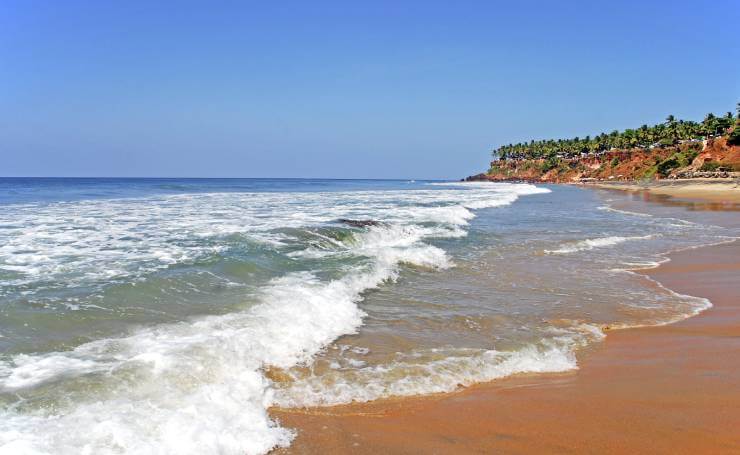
column 709, row 190
column 660, row 388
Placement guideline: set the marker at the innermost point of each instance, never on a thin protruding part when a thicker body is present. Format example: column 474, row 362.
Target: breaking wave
column 198, row 386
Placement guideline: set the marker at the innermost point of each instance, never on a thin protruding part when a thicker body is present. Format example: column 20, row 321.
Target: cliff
column 713, row 157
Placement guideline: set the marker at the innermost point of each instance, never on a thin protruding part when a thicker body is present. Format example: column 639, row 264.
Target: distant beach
column 712, row 190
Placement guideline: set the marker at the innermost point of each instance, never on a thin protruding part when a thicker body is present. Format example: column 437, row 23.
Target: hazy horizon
column 414, row 91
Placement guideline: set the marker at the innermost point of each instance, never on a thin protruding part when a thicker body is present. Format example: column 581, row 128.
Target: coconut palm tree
column 667, row 133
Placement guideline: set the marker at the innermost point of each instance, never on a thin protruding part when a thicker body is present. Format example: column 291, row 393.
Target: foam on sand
column 436, row 371
column 590, row 244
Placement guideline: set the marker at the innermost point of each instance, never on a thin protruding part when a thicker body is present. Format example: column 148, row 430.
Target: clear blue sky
column 415, row 89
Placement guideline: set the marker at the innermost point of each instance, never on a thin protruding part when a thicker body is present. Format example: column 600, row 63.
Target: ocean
column 168, row 315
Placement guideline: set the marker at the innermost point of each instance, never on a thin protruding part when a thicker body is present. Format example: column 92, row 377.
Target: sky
column 396, row 89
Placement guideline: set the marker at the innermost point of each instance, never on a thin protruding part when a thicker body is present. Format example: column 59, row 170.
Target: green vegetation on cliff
column 673, row 149
column 671, row 132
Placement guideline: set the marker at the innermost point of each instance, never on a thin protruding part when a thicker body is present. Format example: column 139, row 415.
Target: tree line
column 671, row 132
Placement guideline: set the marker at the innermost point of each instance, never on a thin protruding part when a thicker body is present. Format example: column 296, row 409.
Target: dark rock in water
column 359, row 223
column 477, row 178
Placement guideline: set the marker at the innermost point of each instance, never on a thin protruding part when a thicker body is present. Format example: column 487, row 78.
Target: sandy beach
column 713, row 190
column 369, row 228
column 668, row 389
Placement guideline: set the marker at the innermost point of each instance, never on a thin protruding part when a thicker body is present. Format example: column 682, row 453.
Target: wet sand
column 670, row 389
column 713, row 190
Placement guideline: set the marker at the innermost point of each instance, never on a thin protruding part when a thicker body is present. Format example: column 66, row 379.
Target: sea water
column 168, row 315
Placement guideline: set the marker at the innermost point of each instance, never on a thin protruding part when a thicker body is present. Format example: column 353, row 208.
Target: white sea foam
column 590, row 244
column 28, row 370
column 405, row 378
column 624, row 212
column 690, row 305
column 89, row 243
column 201, row 388
column 437, row 371
column 198, row 387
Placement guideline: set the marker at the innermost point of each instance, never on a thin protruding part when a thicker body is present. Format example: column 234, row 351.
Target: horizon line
column 221, row 178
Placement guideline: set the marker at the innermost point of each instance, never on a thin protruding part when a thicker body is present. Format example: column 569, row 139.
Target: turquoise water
column 152, row 315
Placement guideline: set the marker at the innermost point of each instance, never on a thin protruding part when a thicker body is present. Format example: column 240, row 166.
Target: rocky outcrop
column 476, row 178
